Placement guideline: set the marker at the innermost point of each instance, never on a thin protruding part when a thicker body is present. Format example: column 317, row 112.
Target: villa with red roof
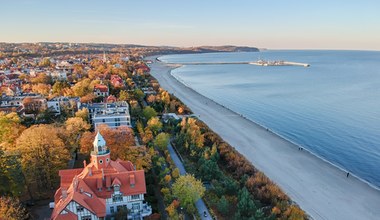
column 101, row 90
column 101, row 189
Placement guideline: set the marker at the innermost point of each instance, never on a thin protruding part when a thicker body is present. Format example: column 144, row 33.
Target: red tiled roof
column 84, row 188
column 100, row 87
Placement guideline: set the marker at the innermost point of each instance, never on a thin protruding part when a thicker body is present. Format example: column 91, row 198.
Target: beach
column 319, row 188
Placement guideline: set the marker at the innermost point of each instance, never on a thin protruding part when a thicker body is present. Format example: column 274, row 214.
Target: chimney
column 89, row 171
column 84, row 163
column 102, row 173
column 64, row 194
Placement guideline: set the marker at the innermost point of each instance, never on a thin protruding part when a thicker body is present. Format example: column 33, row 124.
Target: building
column 112, row 114
column 54, row 106
column 101, row 189
column 101, row 90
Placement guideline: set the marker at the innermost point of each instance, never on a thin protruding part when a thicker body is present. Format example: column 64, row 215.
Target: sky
column 272, row 24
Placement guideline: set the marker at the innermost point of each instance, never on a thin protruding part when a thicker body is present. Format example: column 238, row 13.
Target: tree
column 149, row 113
column 208, row 169
column 154, row 124
column 11, row 178
column 45, row 62
column 123, row 95
column 175, row 173
column 11, row 209
column 82, row 113
column 246, row 207
column 11, row 128
column 41, row 88
column 42, row 154
column 59, row 87
column 223, row 206
column 188, row 190
column 139, row 95
column 75, row 127
column 161, row 141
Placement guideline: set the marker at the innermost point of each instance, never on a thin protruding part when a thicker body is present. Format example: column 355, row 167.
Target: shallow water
column 331, row 108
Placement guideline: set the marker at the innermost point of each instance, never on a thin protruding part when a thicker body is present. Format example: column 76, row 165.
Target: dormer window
column 116, row 188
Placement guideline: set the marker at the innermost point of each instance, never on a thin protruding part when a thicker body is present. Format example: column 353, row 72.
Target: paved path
column 201, row 207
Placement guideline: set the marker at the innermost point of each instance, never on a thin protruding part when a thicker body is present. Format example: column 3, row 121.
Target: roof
column 91, row 186
column 100, row 87
column 99, row 140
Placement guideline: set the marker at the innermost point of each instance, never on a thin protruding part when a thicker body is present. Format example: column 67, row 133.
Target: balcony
column 139, row 214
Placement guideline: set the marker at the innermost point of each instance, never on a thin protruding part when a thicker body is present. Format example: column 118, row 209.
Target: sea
column 331, row 108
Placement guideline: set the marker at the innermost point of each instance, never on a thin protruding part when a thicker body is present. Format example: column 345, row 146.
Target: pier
column 257, row 63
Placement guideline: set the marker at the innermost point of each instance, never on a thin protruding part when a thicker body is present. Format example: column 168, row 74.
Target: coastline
column 316, row 185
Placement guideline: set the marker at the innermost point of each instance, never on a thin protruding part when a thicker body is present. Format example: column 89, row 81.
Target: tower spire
column 99, row 145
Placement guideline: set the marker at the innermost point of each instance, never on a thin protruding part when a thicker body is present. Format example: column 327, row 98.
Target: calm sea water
column 331, row 108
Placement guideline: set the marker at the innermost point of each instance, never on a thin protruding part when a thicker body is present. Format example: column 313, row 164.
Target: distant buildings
column 112, row 114
column 101, row 189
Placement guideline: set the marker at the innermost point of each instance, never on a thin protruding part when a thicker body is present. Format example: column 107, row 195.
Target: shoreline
column 269, row 130
column 320, row 188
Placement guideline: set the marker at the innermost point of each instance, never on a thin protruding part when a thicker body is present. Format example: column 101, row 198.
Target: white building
column 112, row 114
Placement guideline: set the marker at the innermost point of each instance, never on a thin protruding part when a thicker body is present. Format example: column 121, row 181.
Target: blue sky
column 274, row 24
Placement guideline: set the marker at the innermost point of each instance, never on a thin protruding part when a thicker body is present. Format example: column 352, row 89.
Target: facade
column 54, row 106
column 101, row 189
column 112, row 114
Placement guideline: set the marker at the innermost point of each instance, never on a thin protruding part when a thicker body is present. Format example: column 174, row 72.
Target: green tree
column 11, row 209
column 139, row 95
column 246, row 208
column 11, row 177
column 188, row 190
column 208, row 169
column 223, row 206
column 161, row 141
column 149, row 113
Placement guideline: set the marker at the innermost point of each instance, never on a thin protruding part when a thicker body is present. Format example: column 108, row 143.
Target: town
column 88, row 133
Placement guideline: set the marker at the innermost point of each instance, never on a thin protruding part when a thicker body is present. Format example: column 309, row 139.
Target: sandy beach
column 318, row 187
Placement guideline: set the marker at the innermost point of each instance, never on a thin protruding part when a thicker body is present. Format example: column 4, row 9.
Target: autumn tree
column 188, row 190
column 75, row 126
column 59, row 88
column 41, row 88
column 123, row 95
column 45, row 62
column 12, row 209
column 11, row 128
column 121, row 143
column 154, row 124
column 42, row 78
column 161, row 141
column 42, row 153
column 82, row 113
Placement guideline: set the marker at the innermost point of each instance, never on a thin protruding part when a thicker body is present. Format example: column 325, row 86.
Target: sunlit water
column 331, row 108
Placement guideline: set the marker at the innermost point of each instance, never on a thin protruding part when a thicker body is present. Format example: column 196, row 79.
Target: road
column 201, row 207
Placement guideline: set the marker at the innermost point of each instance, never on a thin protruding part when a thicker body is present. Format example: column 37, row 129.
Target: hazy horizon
column 292, row 24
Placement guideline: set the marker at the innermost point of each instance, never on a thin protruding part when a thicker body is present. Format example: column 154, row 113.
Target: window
column 117, row 198
column 100, row 161
column 80, row 208
column 87, row 217
column 136, row 206
column 107, row 160
column 104, row 120
column 112, row 209
column 135, row 196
